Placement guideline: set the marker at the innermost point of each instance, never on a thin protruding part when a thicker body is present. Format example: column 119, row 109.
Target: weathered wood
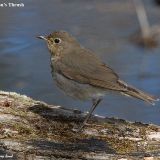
column 32, row 129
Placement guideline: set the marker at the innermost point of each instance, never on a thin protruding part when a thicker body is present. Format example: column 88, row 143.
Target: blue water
column 102, row 26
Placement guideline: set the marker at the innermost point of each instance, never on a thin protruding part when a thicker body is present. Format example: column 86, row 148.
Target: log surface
column 34, row 130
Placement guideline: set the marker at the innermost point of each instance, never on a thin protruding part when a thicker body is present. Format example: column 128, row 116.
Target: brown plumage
column 81, row 74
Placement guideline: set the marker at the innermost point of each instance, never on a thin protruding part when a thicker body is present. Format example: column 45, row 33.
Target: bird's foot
column 79, row 128
column 76, row 130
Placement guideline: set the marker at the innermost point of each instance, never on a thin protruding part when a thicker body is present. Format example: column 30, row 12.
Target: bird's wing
column 85, row 67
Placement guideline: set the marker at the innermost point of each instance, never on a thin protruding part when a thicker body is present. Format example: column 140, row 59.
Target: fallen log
column 31, row 129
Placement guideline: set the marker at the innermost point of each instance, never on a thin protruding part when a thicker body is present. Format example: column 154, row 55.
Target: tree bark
column 34, row 130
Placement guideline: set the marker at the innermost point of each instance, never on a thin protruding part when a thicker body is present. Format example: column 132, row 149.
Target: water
column 103, row 26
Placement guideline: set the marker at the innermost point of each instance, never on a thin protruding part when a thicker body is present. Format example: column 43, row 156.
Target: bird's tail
column 136, row 93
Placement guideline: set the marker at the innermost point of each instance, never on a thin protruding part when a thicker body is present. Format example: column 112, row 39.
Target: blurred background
column 102, row 26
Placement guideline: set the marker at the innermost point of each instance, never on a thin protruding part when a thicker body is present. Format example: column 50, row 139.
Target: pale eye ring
column 57, row 40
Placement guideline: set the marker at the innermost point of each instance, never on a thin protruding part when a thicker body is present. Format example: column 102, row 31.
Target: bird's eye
column 57, row 40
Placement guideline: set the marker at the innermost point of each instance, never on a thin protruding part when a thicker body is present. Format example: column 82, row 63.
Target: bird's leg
column 94, row 105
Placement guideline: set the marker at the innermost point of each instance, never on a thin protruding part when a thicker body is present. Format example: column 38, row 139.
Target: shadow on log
column 32, row 129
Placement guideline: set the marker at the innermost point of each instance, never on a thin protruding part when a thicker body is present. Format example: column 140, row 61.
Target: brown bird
column 82, row 75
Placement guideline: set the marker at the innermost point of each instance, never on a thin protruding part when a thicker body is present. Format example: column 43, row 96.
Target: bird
column 81, row 74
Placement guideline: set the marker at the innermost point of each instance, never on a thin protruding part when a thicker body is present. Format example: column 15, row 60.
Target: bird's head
column 59, row 41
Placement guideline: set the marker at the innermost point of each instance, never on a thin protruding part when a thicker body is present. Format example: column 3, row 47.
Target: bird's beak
column 42, row 37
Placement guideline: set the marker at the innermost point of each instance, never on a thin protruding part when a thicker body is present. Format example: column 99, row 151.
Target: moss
column 122, row 146
column 22, row 129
